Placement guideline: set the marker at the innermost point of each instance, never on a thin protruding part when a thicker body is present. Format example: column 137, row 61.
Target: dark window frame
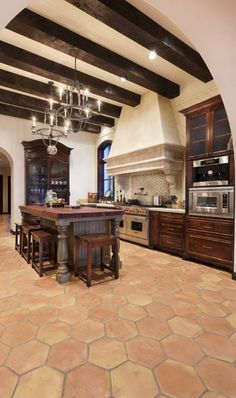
column 100, row 168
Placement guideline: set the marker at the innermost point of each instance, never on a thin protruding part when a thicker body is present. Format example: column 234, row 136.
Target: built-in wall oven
column 217, row 201
column 135, row 228
column 212, row 171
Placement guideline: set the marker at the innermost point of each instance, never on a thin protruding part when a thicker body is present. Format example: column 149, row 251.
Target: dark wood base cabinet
column 167, row 231
column 210, row 240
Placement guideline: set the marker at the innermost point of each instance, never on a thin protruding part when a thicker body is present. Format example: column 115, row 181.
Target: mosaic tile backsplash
column 152, row 183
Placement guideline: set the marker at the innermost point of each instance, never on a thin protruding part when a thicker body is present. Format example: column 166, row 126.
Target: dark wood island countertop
column 66, row 213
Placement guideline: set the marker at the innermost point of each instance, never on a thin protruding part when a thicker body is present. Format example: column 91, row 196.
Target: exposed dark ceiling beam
column 49, row 33
column 22, row 113
column 22, row 59
column 128, row 20
column 31, row 103
column 34, row 87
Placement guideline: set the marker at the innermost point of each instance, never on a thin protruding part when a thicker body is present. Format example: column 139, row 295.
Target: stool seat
column 46, row 241
column 92, row 241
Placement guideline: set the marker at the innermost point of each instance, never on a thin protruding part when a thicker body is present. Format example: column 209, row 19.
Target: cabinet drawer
column 172, row 229
column 171, row 242
column 211, row 226
column 172, row 218
column 210, row 248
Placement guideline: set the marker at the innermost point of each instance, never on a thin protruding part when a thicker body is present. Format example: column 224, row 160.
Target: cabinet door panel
column 197, row 140
column 37, row 181
column 211, row 226
column 171, row 242
column 221, row 130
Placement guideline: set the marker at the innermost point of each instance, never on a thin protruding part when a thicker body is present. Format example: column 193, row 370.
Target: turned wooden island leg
column 115, row 232
column 63, row 274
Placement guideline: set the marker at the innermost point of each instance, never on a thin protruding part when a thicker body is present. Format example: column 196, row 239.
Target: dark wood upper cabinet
column 43, row 172
column 208, row 130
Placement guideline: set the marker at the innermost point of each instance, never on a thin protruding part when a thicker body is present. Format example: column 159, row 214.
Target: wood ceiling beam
column 34, row 87
column 31, row 103
column 51, row 34
column 129, row 21
column 30, row 62
column 27, row 114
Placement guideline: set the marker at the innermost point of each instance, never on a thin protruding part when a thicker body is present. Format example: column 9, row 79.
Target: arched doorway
column 5, row 189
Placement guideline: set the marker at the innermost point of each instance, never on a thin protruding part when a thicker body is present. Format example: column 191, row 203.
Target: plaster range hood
column 146, row 139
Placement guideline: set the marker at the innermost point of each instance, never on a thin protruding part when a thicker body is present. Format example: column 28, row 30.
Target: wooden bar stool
column 25, row 240
column 90, row 242
column 47, row 249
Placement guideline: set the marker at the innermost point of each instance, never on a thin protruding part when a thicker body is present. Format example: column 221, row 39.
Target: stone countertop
column 68, row 213
column 167, row 209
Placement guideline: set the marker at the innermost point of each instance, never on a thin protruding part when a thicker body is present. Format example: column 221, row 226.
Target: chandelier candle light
column 73, row 108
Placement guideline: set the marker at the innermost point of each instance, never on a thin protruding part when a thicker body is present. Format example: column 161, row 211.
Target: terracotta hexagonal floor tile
column 13, row 316
column 52, row 333
column 178, row 380
column 153, row 327
column 43, row 315
column 88, row 330
column 4, row 351
column 233, row 338
column 185, row 326
column 182, row 349
column 87, row 381
column 218, row 376
column 8, row 382
column 73, row 314
column 121, row 329
column 213, row 309
column 102, row 312
column 232, row 320
column 114, row 299
column 211, row 394
column 217, row 346
column 62, row 301
column 216, row 325
column 107, row 353
column 131, row 312
column 41, row 382
column 19, row 333
column 139, row 298
column 213, row 297
column 67, row 355
column 145, row 351
column 89, row 300
column 187, row 310
column 27, row 356
column 159, row 310
column 133, row 381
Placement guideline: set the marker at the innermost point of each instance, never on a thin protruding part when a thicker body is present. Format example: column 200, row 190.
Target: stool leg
column 40, row 258
column 115, row 256
column 33, row 253
column 28, row 247
column 101, row 259
column 16, row 236
column 22, row 238
column 89, row 265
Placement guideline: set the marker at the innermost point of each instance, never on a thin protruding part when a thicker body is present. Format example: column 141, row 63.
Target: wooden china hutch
column 44, row 172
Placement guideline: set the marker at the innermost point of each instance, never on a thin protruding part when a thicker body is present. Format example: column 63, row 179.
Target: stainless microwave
column 217, row 202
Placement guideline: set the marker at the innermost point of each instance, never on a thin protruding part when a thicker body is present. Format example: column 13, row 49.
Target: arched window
column 105, row 182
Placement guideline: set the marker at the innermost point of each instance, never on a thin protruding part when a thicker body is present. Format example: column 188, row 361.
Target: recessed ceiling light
column 152, row 54
column 123, row 79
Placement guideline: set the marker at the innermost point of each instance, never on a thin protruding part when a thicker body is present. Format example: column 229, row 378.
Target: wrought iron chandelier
column 73, row 110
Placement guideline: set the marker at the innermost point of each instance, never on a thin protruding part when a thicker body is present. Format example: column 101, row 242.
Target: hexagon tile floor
column 166, row 328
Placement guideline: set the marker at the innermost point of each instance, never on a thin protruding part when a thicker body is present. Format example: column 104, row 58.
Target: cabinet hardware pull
column 207, row 227
column 207, row 247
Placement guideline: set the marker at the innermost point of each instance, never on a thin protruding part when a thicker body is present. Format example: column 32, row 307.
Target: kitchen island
column 69, row 222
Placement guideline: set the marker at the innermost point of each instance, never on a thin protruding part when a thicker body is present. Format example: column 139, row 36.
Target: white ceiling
column 76, row 20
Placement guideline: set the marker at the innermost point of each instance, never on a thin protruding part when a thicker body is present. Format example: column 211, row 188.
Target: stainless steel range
column 135, row 226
